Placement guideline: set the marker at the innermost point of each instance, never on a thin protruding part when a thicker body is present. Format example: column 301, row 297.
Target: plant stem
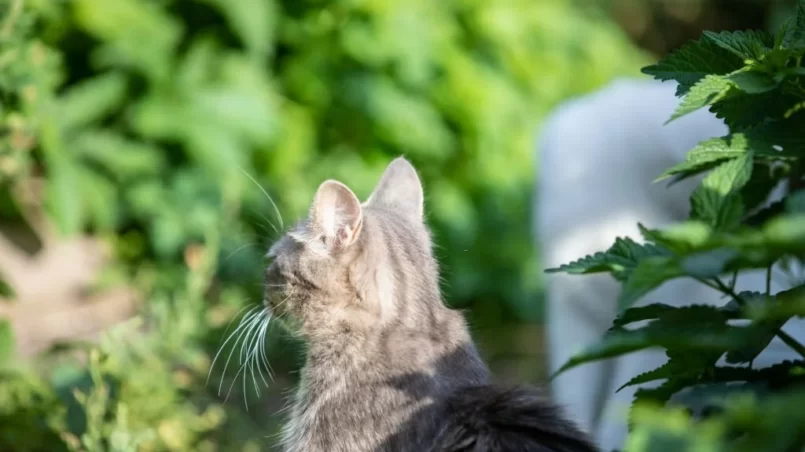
column 768, row 281
column 785, row 337
column 708, row 284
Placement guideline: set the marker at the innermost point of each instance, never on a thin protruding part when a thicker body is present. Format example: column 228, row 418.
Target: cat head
column 356, row 266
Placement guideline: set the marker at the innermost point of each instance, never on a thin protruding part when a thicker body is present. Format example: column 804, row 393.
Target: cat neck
column 352, row 380
column 445, row 354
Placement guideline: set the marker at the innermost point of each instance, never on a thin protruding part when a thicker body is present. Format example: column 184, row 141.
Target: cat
column 389, row 367
column 598, row 156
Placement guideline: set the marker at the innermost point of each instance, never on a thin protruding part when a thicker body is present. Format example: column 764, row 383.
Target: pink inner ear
column 346, row 235
column 336, row 213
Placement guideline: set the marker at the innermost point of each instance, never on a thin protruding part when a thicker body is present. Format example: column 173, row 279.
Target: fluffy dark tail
column 495, row 419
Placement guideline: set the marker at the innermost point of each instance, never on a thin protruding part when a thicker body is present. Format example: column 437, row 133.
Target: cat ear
column 336, row 214
column 399, row 189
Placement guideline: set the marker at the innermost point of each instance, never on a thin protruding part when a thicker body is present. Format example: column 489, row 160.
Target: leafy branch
column 755, row 82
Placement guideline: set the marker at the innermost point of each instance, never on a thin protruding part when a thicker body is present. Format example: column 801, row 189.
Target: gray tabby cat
column 389, row 367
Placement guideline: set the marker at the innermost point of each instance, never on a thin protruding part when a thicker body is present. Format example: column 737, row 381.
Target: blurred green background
column 137, row 138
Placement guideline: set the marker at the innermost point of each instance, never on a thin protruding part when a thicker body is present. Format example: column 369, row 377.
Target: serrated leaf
column 784, row 135
column 710, row 153
column 655, row 396
column 663, row 372
column 784, row 305
column 692, row 62
column 748, row 44
column 776, row 373
column 649, row 274
column 740, row 113
column 760, row 333
column 619, row 259
column 707, row 91
column 647, row 312
column 756, row 247
column 691, row 328
column 703, row 398
column 716, row 201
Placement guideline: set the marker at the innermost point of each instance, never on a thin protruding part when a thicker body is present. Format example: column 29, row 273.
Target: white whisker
column 254, row 355
column 224, row 341
column 240, row 328
column 248, row 357
column 238, row 249
column 276, row 209
column 264, row 357
column 270, row 223
column 243, row 365
column 259, row 348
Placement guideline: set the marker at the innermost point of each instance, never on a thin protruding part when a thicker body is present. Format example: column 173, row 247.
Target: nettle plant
column 755, row 82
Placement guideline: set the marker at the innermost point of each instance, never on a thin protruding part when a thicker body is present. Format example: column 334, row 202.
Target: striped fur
column 389, row 367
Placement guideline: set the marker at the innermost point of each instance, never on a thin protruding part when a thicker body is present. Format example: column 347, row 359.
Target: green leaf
column 91, row 100
column 647, row 312
column 708, row 264
column 663, row 372
column 760, row 333
column 749, row 44
column 716, row 200
column 743, row 112
column 126, row 159
column 6, row 343
column 766, row 214
column 685, row 365
column 707, row 91
column 619, row 259
column 63, row 195
column 649, row 274
column 652, row 429
column 710, row 153
column 795, row 34
column 253, row 20
column 795, row 202
column 136, row 34
column 758, row 336
column 755, row 193
column 786, row 233
column 753, row 82
column 698, row 328
column 784, row 305
column 681, row 238
column 692, row 62
column 784, row 136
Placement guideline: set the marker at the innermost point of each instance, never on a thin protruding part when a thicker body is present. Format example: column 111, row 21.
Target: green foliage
column 756, row 83
column 165, row 128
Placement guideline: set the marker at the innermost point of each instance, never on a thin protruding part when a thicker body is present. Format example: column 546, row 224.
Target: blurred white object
column 597, row 159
